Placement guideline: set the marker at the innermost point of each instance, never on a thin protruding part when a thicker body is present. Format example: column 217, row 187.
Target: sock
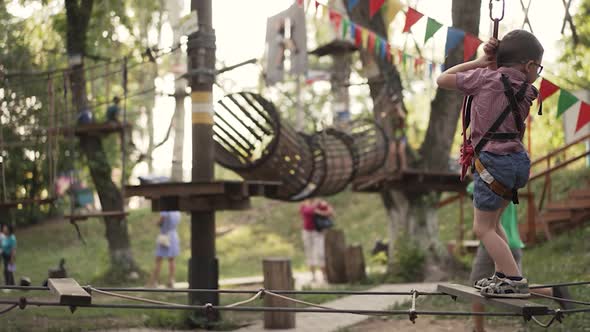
column 500, row 275
column 515, row 278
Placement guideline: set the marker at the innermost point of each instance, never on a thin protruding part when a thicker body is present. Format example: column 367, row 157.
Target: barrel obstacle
column 251, row 140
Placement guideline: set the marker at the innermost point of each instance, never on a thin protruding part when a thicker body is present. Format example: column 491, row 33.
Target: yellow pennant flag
column 365, row 37
column 390, row 10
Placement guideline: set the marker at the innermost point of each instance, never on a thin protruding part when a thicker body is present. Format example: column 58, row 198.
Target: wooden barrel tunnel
column 251, row 140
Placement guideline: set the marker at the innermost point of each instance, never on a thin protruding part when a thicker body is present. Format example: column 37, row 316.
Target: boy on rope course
column 495, row 147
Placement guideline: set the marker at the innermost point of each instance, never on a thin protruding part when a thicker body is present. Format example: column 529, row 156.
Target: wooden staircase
column 560, row 216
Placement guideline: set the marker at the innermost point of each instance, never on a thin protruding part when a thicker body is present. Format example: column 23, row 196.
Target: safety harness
column 468, row 152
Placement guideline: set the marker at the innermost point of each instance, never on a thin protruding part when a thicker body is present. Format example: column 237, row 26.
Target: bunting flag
column 374, row 6
column 358, row 38
column 364, row 37
column 546, row 90
column 390, row 10
column 412, row 16
column 345, row 24
column 300, row 3
column 382, row 48
column 432, row 27
column 583, row 116
column 352, row 4
column 470, row 45
column 454, row 37
column 371, row 42
column 336, row 19
column 566, row 100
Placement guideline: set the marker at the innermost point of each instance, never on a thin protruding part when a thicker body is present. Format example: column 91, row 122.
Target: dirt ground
column 425, row 324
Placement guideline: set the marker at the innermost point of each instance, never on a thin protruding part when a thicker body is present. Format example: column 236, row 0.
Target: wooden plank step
column 519, row 306
column 577, row 193
column 555, row 216
column 576, row 203
column 69, row 292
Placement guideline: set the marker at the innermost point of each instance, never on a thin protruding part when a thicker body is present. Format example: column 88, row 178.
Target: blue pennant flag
column 454, row 37
column 382, row 49
column 352, row 31
column 352, row 3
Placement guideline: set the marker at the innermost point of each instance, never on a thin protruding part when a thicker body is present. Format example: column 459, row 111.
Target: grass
column 270, row 228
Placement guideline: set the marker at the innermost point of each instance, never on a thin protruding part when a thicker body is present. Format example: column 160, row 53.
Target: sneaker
column 563, row 293
column 508, row 288
column 481, row 283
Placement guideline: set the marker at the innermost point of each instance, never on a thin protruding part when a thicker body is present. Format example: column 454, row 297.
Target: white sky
column 240, row 28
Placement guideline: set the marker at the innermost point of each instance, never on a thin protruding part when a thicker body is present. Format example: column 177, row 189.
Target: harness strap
column 511, row 108
column 495, row 185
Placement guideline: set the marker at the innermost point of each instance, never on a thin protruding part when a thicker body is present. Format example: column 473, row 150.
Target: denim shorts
column 511, row 170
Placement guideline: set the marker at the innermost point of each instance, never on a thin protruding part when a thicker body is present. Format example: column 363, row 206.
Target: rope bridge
column 72, row 295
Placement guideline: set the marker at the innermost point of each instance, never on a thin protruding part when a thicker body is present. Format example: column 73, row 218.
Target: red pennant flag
column 547, row 89
column 336, row 19
column 583, row 116
column 388, row 52
column 371, row 42
column 470, row 45
column 374, row 6
column 400, row 56
column 317, row 4
column 358, row 38
column 412, row 16
column 300, row 3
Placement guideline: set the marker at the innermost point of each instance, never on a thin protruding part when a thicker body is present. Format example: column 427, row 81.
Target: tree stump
column 355, row 263
column 335, row 249
column 278, row 276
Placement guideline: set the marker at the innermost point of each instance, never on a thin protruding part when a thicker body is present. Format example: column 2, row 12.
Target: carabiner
column 492, row 7
column 498, row 19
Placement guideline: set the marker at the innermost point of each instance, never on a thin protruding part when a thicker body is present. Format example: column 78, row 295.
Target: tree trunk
column 175, row 7
column 445, row 108
column 78, row 17
column 415, row 215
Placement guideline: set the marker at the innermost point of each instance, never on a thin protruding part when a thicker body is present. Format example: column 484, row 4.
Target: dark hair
column 116, row 99
column 10, row 228
column 518, row 46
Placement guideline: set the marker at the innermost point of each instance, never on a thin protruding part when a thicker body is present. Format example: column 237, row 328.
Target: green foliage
column 409, row 259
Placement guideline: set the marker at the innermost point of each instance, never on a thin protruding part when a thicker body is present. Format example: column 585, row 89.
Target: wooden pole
column 203, row 266
column 335, row 256
column 355, row 264
column 278, row 276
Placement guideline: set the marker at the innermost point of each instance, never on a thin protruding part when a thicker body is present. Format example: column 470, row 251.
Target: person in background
column 85, row 117
column 113, row 110
column 8, row 253
column 167, row 246
column 313, row 240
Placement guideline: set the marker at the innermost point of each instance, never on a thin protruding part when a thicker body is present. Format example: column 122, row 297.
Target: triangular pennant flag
column 382, row 48
column 358, row 37
column 400, row 56
column 454, row 37
column 300, row 3
column 365, row 37
column 345, row 31
column 317, row 4
column 352, row 4
column 390, row 10
column 374, row 6
column 470, row 45
column 371, row 42
column 412, row 16
column 583, row 116
column 432, row 27
column 566, row 100
column 335, row 18
column 546, row 89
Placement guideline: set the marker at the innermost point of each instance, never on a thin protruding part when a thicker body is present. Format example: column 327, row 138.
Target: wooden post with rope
column 278, row 276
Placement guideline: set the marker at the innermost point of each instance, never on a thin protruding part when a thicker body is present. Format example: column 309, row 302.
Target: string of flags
column 565, row 102
column 378, row 45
